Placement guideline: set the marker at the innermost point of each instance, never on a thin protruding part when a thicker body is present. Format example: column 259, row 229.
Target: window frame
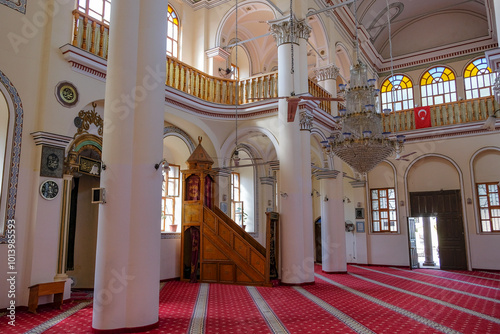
column 434, row 87
column 172, row 17
column 87, row 10
column 236, row 201
column 489, row 207
column 167, row 197
column 397, row 90
column 476, row 75
column 388, row 210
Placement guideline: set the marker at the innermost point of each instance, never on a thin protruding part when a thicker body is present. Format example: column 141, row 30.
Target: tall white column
column 333, row 242
column 297, row 257
column 306, row 120
column 327, row 78
column 128, row 241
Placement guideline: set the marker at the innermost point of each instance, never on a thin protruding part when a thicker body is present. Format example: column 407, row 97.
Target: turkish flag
column 422, row 117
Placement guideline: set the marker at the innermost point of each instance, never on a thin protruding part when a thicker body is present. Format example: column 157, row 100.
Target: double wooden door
column 446, row 206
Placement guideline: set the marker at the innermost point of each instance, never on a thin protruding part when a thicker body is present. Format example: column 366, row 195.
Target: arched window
column 478, row 79
column 98, row 9
column 397, row 93
column 438, row 86
column 172, row 33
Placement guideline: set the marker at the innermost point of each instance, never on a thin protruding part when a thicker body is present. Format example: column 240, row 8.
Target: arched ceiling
column 421, row 25
column 421, row 30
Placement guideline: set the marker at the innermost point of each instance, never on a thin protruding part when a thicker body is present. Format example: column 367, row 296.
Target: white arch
column 228, row 145
column 473, row 178
column 462, row 197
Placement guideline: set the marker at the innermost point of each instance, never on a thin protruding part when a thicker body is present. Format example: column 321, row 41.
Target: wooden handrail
column 239, row 230
column 460, row 112
column 90, row 34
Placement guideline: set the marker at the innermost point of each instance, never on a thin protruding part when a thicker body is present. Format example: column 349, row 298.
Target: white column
column 327, row 78
column 306, row 120
column 128, row 241
column 297, row 257
column 333, row 242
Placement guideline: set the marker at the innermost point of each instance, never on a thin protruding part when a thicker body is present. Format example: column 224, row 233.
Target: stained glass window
column 478, row 79
column 172, row 33
column 397, row 93
column 438, row 86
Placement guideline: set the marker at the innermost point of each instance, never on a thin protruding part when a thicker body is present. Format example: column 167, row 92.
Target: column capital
column 306, row 120
column 358, row 184
column 323, row 174
column 223, row 172
column 269, row 180
column 327, row 72
column 282, row 32
column 217, row 52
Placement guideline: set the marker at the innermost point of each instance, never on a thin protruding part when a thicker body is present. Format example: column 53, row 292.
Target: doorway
column 445, row 208
column 317, row 240
column 427, row 242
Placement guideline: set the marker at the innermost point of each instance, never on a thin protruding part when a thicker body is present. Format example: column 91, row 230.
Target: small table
column 44, row 289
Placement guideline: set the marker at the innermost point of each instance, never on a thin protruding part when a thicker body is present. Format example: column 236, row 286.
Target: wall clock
column 49, row 189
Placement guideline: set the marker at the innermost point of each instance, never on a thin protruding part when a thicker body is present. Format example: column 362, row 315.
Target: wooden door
column 412, row 243
column 317, row 243
column 446, row 206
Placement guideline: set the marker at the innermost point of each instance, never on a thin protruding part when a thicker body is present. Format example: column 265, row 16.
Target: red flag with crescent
column 422, row 117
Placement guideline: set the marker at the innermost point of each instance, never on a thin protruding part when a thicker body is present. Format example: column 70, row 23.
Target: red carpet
column 231, row 310
column 368, row 299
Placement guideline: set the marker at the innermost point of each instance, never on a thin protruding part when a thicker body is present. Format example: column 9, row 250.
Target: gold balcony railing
column 90, row 34
column 459, row 112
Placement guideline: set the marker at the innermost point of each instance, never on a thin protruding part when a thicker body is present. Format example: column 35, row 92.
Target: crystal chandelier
column 362, row 144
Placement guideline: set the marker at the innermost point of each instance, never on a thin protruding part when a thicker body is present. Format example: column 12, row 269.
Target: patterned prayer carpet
column 368, row 299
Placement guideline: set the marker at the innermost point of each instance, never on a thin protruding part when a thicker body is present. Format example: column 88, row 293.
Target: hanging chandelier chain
column 292, row 34
column 356, row 30
column 236, row 83
column 390, row 52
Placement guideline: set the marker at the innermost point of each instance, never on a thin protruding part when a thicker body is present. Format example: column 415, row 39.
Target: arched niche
column 13, row 111
column 382, row 176
column 485, row 165
column 433, row 173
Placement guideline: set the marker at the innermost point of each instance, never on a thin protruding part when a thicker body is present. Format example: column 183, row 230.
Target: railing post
column 76, row 15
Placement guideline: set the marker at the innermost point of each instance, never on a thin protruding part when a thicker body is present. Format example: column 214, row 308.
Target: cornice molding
column 85, row 62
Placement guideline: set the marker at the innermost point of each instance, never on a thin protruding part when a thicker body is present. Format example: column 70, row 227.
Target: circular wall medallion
column 66, row 94
column 49, row 189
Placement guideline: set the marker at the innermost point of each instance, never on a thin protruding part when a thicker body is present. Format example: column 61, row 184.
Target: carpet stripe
column 454, row 279
column 434, row 300
column 394, row 308
column 274, row 323
column 197, row 324
column 489, row 272
column 433, row 285
column 54, row 321
column 344, row 318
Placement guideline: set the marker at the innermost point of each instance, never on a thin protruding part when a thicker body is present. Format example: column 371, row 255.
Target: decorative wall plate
column 66, row 94
column 49, row 189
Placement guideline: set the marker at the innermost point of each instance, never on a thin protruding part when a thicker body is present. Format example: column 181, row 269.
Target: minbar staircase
column 229, row 254
column 213, row 247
